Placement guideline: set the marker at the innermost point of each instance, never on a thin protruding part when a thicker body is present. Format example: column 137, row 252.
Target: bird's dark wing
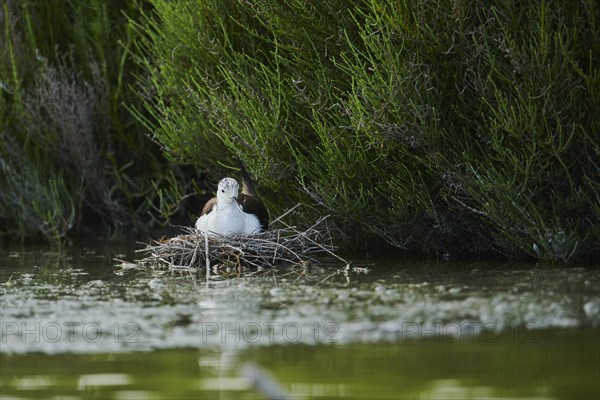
column 251, row 205
column 247, row 184
column 250, row 201
column 208, row 207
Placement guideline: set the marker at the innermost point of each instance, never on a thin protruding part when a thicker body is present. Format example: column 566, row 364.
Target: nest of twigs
column 286, row 246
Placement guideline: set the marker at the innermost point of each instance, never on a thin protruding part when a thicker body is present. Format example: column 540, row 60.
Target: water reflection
column 563, row 364
column 87, row 382
column 39, row 382
column 78, row 325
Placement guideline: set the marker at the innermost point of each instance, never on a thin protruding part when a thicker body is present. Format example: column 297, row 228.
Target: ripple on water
column 79, row 310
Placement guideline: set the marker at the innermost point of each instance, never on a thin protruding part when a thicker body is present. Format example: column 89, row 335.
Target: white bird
column 224, row 215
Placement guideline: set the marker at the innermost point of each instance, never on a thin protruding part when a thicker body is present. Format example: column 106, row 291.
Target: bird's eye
column 222, row 190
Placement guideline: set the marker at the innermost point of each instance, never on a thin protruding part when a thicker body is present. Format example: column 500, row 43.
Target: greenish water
column 78, row 324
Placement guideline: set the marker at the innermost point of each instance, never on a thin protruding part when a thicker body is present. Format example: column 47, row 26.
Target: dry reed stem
column 286, row 246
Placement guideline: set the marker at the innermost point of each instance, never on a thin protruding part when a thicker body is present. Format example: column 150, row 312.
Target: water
column 78, row 324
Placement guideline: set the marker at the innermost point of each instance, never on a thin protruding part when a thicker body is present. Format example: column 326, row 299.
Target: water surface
column 78, row 323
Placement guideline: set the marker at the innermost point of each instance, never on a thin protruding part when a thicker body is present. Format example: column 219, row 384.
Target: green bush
column 441, row 126
column 432, row 125
column 73, row 160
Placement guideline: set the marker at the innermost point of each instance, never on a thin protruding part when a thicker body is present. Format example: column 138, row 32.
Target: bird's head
column 228, row 190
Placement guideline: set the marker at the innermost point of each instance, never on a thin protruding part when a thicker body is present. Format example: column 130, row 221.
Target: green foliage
column 431, row 125
column 72, row 159
column 532, row 172
column 443, row 126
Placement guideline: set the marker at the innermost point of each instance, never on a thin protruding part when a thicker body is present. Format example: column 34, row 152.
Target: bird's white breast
column 251, row 224
column 228, row 219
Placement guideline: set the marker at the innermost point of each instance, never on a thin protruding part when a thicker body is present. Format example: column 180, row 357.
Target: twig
column 285, row 213
column 276, row 247
column 206, row 255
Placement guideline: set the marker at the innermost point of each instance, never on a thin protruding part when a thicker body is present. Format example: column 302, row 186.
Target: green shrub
column 435, row 125
column 72, row 159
